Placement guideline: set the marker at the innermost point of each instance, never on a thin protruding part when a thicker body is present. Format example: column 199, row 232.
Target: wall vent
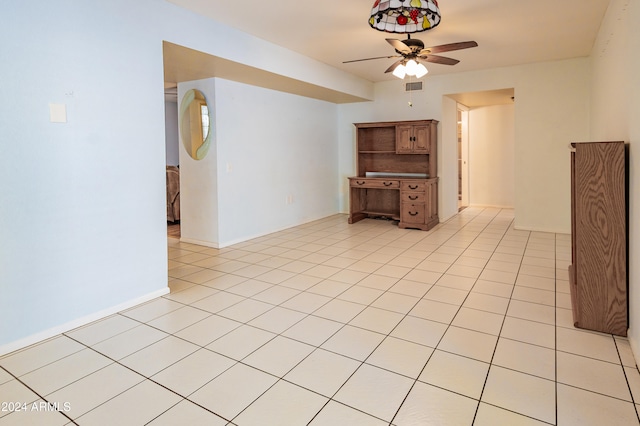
column 413, row 86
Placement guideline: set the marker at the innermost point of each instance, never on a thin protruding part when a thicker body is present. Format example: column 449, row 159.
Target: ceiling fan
column 413, row 50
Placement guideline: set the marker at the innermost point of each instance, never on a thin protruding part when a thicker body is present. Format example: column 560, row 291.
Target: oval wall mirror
column 195, row 125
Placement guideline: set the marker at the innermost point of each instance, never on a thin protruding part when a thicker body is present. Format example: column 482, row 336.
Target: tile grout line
column 450, row 323
column 378, row 345
column 16, row 378
column 388, row 334
column 624, row 371
column 500, row 331
column 114, row 361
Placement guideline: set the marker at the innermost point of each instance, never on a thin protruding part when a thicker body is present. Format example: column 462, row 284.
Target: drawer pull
column 413, row 187
column 413, row 197
column 413, row 213
column 360, row 182
column 387, row 183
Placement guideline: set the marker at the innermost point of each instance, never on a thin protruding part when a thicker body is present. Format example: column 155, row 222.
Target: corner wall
column 615, row 108
column 277, row 160
column 83, row 212
column 199, row 217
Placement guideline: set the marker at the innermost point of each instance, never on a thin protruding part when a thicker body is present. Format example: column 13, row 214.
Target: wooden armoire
column 598, row 270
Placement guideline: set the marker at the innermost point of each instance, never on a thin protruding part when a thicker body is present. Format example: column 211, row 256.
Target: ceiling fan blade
column 395, row 64
column 448, row 47
column 368, row 59
column 439, row 60
column 398, row 45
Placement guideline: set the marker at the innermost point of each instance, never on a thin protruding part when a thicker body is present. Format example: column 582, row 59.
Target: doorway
column 172, row 159
column 482, row 148
column 463, row 156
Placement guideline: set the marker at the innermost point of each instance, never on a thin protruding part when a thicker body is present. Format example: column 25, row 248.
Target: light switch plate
column 58, row 113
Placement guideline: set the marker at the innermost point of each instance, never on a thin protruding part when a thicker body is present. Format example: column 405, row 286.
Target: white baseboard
column 199, row 242
column 272, row 231
column 635, row 347
column 445, row 219
column 46, row 334
column 541, row 229
column 490, row 206
column 224, row 244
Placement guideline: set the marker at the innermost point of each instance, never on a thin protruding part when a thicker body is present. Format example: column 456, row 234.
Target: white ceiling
column 508, row 32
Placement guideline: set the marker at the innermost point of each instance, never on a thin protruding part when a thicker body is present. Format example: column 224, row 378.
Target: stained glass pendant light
column 404, row 16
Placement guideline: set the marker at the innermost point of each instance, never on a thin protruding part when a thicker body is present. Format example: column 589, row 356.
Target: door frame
column 463, row 158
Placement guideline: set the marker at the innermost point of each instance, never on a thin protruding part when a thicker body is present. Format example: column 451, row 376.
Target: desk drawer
column 412, row 213
column 374, row 183
column 413, row 185
column 412, row 197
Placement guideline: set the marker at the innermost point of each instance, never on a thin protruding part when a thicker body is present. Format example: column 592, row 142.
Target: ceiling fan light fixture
column 404, row 16
column 412, row 67
column 421, row 71
column 400, row 71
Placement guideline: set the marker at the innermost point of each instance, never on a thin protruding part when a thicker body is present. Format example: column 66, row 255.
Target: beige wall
column 86, row 201
column 615, row 109
column 492, row 156
column 551, row 109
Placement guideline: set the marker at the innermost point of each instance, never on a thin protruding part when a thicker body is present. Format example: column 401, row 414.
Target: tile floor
column 336, row 324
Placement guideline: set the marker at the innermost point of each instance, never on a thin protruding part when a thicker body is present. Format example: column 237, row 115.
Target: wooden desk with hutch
column 397, row 173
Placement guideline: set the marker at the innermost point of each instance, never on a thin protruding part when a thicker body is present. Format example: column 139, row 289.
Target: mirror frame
column 189, row 97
